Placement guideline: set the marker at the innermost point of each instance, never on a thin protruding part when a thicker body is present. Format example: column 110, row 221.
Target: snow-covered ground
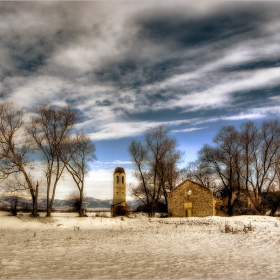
column 139, row 247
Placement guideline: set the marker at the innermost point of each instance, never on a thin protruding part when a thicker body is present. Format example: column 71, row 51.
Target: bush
column 161, row 208
column 14, row 206
column 25, row 207
column 75, row 203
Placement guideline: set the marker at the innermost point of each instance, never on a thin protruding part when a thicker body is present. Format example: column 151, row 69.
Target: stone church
column 191, row 199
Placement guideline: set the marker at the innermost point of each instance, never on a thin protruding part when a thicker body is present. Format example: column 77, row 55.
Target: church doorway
column 188, row 209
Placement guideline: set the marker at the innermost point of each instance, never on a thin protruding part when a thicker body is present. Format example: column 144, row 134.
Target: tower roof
column 119, row 170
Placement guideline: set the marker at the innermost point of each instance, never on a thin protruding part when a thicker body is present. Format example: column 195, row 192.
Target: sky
column 127, row 66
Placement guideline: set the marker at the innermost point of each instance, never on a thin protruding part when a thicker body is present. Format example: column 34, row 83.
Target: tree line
column 242, row 167
column 50, row 133
column 243, row 162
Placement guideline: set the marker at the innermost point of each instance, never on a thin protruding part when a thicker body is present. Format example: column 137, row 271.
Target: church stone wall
column 191, row 199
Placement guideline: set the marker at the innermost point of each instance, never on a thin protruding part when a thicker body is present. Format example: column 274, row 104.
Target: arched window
column 117, row 179
column 123, row 179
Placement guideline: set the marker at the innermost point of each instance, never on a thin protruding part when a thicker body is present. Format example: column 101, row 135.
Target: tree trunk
column 48, row 201
column 154, row 208
column 81, row 212
column 49, row 213
column 151, row 213
column 35, row 202
column 166, row 203
column 165, row 198
column 34, row 206
column 274, row 209
column 50, row 204
column 229, row 206
column 49, row 207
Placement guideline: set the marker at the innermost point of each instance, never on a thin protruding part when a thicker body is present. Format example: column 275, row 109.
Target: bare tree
column 249, row 142
column 75, row 201
column 15, row 150
column 143, row 190
column 201, row 173
column 77, row 155
column 245, row 161
column 261, row 148
column 224, row 160
column 164, row 158
column 156, row 163
column 49, row 130
column 277, row 171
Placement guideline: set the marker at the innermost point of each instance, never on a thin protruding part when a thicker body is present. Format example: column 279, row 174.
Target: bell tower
column 119, row 189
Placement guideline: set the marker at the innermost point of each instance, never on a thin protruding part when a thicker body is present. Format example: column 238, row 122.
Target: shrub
column 14, row 206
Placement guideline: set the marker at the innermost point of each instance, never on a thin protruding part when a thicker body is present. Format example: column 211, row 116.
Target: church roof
column 119, row 170
column 192, row 182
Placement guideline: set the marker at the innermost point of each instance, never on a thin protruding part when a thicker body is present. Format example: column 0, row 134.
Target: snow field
column 139, row 247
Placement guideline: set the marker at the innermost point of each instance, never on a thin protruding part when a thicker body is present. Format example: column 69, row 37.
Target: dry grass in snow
column 66, row 246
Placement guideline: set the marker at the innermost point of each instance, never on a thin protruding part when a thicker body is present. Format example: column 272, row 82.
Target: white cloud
column 27, row 90
column 61, row 53
column 220, row 95
column 187, row 129
column 244, row 116
column 99, row 181
column 113, row 163
column 268, row 111
column 116, row 130
column 78, row 58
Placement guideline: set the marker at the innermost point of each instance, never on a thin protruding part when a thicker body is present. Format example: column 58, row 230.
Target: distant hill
column 63, row 204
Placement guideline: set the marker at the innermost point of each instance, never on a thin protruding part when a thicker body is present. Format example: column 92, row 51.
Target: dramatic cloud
column 129, row 66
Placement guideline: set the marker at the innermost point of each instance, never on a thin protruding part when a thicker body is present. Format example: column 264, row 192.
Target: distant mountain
column 98, row 203
column 133, row 204
column 6, row 201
